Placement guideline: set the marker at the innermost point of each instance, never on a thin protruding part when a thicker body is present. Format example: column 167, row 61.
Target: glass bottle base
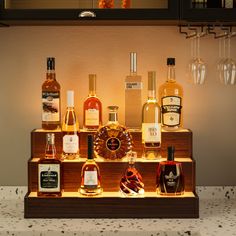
column 69, row 156
column 92, row 192
column 151, row 154
column 49, row 194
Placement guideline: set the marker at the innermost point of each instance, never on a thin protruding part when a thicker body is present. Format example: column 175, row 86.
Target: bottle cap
column 90, row 146
column 170, row 61
column 50, row 138
column 133, row 62
column 70, row 98
column 51, row 63
column 171, row 153
column 92, row 82
column 151, row 80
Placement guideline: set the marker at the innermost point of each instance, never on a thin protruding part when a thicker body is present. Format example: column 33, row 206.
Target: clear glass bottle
column 49, row 170
column 51, row 105
column 112, row 141
column 70, row 130
column 170, row 177
column 92, row 107
column 90, row 174
column 133, row 96
column 151, row 122
column 171, row 99
column 131, row 183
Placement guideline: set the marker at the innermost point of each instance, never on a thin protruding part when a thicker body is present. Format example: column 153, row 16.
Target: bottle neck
column 92, row 93
column 152, row 95
column 171, row 73
column 51, row 74
column 113, row 117
column 50, row 151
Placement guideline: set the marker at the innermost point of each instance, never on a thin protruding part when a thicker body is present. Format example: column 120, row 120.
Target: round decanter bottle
column 112, row 141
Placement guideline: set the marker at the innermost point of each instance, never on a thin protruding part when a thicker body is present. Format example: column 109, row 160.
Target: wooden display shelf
column 112, row 205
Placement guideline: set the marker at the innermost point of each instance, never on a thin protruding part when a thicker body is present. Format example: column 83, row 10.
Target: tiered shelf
column 111, row 203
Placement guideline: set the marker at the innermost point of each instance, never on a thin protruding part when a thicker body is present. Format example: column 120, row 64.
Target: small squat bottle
column 90, row 174
column 49, row 170
column 170, row 178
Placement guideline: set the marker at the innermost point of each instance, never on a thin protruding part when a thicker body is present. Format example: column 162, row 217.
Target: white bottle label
column 151, row 132
column 50, row 106
column 49, row 177
column 92, row 117
column 171, row 110
column 133, row 85
column 90, row 178
column 70, row 143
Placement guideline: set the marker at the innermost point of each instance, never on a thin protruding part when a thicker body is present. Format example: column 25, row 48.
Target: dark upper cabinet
column 211, row 11
column 20, row 12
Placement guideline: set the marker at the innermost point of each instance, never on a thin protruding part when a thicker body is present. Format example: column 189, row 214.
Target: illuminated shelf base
column 112, row 205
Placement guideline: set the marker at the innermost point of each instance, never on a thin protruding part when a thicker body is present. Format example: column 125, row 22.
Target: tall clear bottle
column 151, row 122
column 92, row 107
column 51, row 105
column 70, row 129
column 133, row 96
column 171, row 99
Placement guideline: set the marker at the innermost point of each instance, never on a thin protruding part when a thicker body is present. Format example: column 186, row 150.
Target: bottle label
column 113, row 144
column 90, row 179
column 171, row 110
column 70, row 143
column 49, row 177
column 50, row 106
column 151, row 132
column 133, row 85
column 92, row 117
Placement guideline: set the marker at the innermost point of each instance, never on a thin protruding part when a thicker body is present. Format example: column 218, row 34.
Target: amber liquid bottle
column 90, row 174
column 171, row 99
column 51, row 107
column 70, row 130
column 49, row 171
column 170, row 178
column 92, row 107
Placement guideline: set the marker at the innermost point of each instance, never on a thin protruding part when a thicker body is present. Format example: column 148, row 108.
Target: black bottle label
column 113, row 144
column 49, row 177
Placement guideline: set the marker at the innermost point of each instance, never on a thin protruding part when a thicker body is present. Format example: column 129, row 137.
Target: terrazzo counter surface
column 217, row 217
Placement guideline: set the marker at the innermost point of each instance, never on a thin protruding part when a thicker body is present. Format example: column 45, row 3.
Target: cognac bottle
column 170, row 178
column 51, row 106
column 151, row 122
column 90, row 174
column 133, row 96
column 70, row 130
column 171, row 99
column 49, row 170
column 131, row 183
column 92, row 107
column 112, row 141
column 106, row 3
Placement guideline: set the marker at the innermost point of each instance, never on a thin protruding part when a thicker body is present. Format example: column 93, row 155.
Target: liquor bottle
column 49, row 170
column 151, row 122
column 106, row 3
column 92, row 107
column 199, row 3
column 170, row 178
column 126, row 3
column 228, row 3
column 70, row 130
column 112, row 141
column 131, row 183
column 133, row 96
column 51, row 107
column 234, row 4
column 90, row 174
column 171, row 99
column 214, row 3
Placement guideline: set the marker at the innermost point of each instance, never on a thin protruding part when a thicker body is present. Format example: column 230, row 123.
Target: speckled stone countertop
column 217, row 217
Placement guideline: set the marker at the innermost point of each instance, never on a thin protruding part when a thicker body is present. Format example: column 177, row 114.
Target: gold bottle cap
column 92, row 83
column 152, row 80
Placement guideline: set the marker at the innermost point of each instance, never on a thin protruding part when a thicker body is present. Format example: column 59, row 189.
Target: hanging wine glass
column 222, row 57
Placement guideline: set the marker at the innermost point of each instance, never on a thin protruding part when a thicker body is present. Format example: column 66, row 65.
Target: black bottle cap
column 90, row 146
column 171, row 153
column 170, row 61
column 51, row 63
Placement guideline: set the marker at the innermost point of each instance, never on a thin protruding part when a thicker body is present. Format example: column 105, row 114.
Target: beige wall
column 209, row 110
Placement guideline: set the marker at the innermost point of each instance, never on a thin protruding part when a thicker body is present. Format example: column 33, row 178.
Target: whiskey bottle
column 70, row 130
column 92, row 107
column 170, row 178
column 49, row 170
column 112, row 141
column 131, row 183
column 171, row 99
column 133, row 96
column 151, row 122
column 90, row 174
column 51, row 107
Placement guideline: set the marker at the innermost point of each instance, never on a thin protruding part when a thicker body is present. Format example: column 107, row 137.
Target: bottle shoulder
column 171, row 88
column 51, row 85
